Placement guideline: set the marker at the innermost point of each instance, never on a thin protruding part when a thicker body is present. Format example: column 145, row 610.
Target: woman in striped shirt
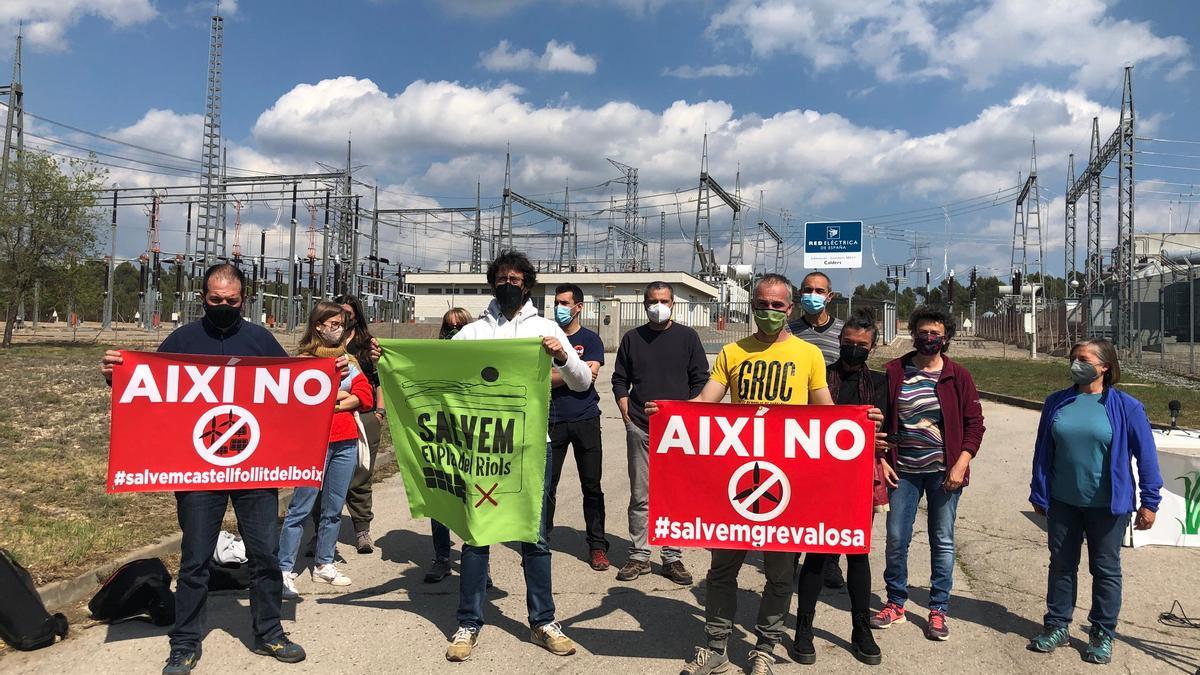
column 936, row 424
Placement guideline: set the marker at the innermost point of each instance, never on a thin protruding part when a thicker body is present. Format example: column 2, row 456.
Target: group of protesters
column 925, row 406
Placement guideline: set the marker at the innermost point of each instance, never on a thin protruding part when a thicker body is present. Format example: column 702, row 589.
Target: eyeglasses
column 511, row 279
column 333, row 325
column 232, row 302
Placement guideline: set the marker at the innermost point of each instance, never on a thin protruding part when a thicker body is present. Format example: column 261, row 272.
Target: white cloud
column 46, row 21
column 922, row 38
column 557, row 57
column 687, row 72
column 487, row 9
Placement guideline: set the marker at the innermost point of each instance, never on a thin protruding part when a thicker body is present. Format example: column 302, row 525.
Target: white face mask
column 659, row 313
column 333, row 337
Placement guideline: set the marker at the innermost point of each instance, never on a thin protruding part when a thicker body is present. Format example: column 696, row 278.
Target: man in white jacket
column 512, row 315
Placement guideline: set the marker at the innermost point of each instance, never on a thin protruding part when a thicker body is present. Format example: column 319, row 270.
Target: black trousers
column 812, row 579
column 584, row 437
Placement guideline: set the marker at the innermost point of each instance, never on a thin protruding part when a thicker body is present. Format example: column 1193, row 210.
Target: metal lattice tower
column 1095, row 259
column 344, row 261
column 210, row 236
column 1069, row 238
column 477, row 237
column 504, row 236
column 14, row 124
column 702, row 234
column 1028, row 248
column 629, row 242
column 1123, row 266
column 662, row 241
column 737, row 241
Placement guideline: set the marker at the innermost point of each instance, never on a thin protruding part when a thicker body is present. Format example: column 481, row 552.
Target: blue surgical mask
column 812, row 303
column 563, row 315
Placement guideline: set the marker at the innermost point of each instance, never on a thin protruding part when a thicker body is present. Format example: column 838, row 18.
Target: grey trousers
column 637, row 442
column 720, row 600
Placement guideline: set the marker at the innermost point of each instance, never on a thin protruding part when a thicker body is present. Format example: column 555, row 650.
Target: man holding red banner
column 771, row 367
column 222, row 332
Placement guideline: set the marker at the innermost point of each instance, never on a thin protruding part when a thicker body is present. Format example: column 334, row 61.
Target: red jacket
column 962, row 415
column 344, row 428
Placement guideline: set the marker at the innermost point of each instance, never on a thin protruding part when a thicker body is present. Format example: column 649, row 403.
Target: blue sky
column 835, row 109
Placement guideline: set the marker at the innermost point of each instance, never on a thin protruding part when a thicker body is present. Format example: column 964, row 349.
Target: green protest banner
column 468, row 421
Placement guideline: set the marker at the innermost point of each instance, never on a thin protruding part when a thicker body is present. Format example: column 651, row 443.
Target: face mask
column 449, row 334
column 223, row 317
column 812, row 303
column 853, row 355
column 563, row 316
column 769, row 321
column 1083, row 372
column 509, row 298
column 332, row 337
column 928, row 345
column 658, row 313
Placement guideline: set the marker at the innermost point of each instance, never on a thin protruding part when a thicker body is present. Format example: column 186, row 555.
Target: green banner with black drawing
column 468, row 421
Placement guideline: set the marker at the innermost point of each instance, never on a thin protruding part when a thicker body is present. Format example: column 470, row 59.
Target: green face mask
column 770, row 321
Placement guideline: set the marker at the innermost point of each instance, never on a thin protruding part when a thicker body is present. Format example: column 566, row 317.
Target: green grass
column 1037, row 379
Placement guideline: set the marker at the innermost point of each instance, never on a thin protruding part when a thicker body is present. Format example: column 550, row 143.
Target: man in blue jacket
column 222, row 331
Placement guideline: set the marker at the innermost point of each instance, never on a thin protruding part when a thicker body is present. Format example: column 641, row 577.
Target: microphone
column 1175, row 407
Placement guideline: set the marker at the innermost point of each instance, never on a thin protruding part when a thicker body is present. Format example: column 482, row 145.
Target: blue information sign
column 833, row 245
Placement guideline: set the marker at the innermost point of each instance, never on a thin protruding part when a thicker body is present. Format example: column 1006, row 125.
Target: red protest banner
column 776, row 478
column 182, row 422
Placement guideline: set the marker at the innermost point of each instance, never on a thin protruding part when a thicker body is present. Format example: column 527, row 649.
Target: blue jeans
column 340, row 461
column 200, row 514
column 441, row 541
column 1068, row 526
column 942, row 507
column 535, row 559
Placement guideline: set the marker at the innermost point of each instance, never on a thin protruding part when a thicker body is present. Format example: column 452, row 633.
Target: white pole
column 1033, row 289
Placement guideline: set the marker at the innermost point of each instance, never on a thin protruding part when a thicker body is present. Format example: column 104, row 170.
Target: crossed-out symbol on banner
column 487, row 495
column 749, row 502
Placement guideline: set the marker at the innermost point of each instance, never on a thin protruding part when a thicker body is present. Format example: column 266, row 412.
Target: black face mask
column 853, row 356
column 223, row 317
column 928, row 345
column 509, row 298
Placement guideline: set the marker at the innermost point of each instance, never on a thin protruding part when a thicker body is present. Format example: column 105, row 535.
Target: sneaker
column 440, row 569
column 461, row 644
column 329, row 574
column 1099, row 649
column 551, row 637
column 761, row 663
column 890, row 615
column 289, row 585
column 1049, row 639
column 675, row 571
column 833, row 573
column 181, row 661
column 706, row 661
column 282, row 649
column 632, row 570
column 362, row 542
column 936, row 628
column 599, row 560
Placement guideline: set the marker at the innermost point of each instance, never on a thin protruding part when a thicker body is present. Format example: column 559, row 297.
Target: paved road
column 391, row 622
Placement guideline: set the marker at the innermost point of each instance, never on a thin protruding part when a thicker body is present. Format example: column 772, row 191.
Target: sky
column 914, row 116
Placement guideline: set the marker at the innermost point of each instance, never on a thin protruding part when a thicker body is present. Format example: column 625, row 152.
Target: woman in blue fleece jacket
column 1087, row 440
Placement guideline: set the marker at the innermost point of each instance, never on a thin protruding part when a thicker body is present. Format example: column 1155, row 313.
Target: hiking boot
column 706, row 661
column 440, row 569
column 833, row 573
column 282, row 649
column 633, row 569
column 551, row 637
column 289, row 586
column 862, row 643
column 362, row 542
column 937, row 629
column 461, row 644
column 675, row 571
column 1099, row 649
column 181, row 661
column 760, row 663
column 803, row 651
column 329, row 574
column 599, row 560
column 890, row 615
column 1051, row 638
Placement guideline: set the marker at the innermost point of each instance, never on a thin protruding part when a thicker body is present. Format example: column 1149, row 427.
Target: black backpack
column 137, row 588
column 24, row 622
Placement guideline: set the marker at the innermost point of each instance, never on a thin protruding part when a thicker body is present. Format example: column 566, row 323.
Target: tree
column 48, row 224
